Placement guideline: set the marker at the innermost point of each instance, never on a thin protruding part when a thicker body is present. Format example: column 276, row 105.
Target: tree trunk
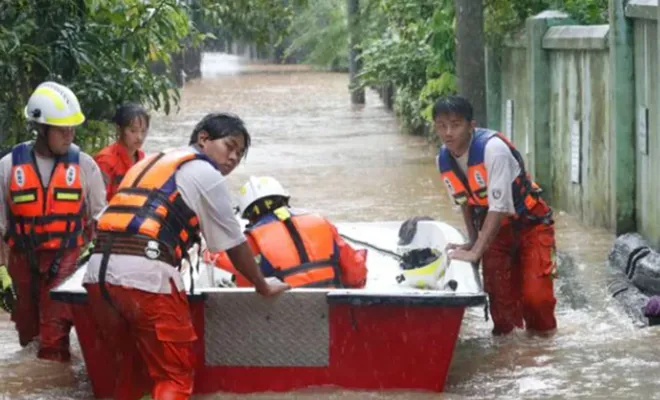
column 354, row 63
column 470, row 62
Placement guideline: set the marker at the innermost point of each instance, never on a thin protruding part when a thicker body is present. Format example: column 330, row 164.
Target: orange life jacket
column 148, row 216
column 300, row 248
column 49, row 218
column 114, row 161
column 472, row 190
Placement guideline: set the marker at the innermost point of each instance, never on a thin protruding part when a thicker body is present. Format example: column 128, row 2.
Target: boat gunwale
column 356, row 297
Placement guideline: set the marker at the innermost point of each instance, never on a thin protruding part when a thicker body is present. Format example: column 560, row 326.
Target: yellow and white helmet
column 54, row 104
column 257, row 188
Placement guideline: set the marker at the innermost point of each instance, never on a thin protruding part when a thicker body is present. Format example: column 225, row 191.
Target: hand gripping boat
column 386, row 336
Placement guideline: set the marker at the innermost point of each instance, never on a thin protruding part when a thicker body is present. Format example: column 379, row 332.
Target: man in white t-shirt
column 51, row 190
column 163, row 205
column 510, row 227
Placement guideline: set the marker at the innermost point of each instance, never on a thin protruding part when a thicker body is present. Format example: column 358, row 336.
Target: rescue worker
column 510, row 227
column 301, row 249
column 50, row 189
column 135, row 290
column 132, row 124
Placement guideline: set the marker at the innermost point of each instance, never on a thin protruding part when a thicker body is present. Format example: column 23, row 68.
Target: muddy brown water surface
column 351, row 163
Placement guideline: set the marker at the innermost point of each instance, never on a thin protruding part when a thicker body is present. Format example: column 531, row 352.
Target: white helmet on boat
column 422, row 268
column 54, row 104
column 259, row 188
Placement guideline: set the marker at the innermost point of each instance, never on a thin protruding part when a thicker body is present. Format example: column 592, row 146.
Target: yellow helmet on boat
column 422, row 268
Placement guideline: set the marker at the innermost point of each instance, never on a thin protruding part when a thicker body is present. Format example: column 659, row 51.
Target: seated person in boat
column 510, row 226
column 135, row 292
column 301, row 249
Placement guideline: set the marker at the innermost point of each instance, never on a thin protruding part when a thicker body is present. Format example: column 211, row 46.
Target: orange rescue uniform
column 519, row 263
column 302, row 250
column 114, row 161
column 44, row 233
column 148, row 218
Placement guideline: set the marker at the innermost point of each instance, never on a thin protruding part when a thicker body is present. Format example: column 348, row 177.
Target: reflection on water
column 352, row 164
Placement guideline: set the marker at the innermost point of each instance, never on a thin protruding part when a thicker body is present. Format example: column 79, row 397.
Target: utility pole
column 354, row 64
column 470, row 59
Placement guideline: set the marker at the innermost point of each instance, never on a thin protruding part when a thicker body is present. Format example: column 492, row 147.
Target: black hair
column 453, row 105
column 127, row 112
column 220, row 125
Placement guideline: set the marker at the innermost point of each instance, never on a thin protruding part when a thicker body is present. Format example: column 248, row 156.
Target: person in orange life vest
column 132, row 123
column 302, row 249
column 163, row 206
column 510, row 227
column 50, row 189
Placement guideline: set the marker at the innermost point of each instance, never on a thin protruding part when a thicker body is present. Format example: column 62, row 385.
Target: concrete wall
column 647, row 108
column 515, row 88
column 573, row 85
column 579, row 104
column 576, row 58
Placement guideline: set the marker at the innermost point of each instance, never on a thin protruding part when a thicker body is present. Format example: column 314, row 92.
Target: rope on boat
column 366, row 244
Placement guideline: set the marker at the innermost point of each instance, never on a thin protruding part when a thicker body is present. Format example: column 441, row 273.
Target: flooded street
column 351, row 163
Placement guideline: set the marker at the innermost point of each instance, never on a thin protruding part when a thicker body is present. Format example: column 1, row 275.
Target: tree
column 104, row 51
column 470, row 60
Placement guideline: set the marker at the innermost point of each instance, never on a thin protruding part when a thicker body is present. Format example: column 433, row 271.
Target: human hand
column 272, row 288
column 7, row 294
column 456, row 246
column 463, row 255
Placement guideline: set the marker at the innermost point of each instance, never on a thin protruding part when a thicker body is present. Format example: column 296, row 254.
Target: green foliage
column 105, row 50
column 410, row 44
column 263, row 22
column 320, row 34
column 416, row 54
column 502, row 17
column 101, row 49
column 591, row 12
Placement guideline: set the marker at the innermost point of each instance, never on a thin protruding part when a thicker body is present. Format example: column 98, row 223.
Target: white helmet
column 54, row 104
column 256, row 188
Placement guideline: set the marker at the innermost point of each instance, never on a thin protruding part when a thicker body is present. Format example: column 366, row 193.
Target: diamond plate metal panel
column 244, row 329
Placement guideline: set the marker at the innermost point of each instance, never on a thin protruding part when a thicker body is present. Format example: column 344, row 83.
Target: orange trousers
column 517, row 271
column 152, row 336
column 40, row 316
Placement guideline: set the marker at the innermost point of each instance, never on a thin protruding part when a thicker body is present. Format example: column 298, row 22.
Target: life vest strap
column 164, row 201
column 281, row 274
column 320, row 284
column 297, row 240
column 305, row 264
column 33, row 240
column 134, row 245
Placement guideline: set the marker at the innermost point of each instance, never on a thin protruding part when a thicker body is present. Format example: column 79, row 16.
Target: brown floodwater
column 351, row 163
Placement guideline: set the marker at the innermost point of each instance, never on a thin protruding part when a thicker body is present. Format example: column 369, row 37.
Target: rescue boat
column 389, row 335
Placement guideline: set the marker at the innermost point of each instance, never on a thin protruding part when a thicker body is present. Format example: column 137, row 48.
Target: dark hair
column 127, row 112
column 220, row 125
column 453, row 105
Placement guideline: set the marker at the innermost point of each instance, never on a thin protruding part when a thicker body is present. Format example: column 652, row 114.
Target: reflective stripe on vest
column 148, row 204
column 47, row 218
column 472, row 189
column 301, row 248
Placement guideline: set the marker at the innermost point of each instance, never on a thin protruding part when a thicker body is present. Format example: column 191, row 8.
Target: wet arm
column 95, row 194
column 488, row 232
column 243, row 259
column 469, row 224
